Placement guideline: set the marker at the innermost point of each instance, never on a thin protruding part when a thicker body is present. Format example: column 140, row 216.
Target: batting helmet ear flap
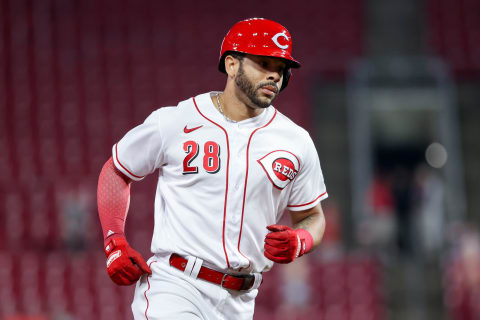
column 286, row 76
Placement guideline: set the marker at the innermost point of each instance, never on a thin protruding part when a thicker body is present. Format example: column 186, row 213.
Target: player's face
column 260, row 79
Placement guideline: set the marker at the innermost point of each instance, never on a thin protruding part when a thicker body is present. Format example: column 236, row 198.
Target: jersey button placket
column 237, row 154
column 236, row 182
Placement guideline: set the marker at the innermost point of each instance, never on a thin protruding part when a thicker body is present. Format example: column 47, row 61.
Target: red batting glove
column 284, row 244
column 124, row 265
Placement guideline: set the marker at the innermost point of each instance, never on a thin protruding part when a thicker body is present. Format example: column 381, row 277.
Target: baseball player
column 229, row 166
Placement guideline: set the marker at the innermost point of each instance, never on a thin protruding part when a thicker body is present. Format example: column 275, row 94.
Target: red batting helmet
column 261, row 37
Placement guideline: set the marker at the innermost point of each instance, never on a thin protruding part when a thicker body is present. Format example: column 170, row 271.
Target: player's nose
column 274, row 76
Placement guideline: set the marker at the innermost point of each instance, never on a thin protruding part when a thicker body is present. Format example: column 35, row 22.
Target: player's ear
column 231, row 66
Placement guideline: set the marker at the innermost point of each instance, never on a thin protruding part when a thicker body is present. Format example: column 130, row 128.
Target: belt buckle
column 223, row 280
column 247, row 282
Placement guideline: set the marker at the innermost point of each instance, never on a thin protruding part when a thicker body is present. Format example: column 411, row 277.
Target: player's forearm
column 315, row 225
column 113, row 199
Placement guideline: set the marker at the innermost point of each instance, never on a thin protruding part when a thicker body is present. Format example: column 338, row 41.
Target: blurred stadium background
column 388, row 89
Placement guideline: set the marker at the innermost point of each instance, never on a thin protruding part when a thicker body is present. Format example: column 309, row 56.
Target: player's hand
column 124, row 265
column 282, row 244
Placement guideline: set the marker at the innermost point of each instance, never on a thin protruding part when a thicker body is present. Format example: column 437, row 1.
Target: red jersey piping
column 118, row 160
column 245, row 187
column 301, row 205
column 145, row 293
column 226, row 182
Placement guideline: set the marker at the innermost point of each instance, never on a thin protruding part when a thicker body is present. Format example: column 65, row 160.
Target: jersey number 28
column 211, row 157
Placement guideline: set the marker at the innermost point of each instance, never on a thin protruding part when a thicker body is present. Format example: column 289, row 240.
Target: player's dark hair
column 237, row 55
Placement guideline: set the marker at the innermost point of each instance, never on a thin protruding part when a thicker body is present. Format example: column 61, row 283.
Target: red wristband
column 306, row 241
column 112, row 235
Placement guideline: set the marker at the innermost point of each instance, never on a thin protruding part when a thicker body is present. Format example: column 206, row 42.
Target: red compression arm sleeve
column 113, row 199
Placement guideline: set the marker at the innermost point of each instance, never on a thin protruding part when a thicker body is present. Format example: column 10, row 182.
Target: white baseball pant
column 170, row 294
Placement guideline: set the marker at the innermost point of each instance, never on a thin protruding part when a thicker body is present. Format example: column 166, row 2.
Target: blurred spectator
column 378, row 228
column 62, row 316
column 296, row 291
column 430, row 209
column 76, row 207
column 403, row 192
column 331, row 247
column 462, row 276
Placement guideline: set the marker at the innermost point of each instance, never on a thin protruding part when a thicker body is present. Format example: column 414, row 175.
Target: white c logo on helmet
column 275, row 40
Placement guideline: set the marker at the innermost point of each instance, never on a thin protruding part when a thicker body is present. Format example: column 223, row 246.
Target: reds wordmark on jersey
column 221, row 183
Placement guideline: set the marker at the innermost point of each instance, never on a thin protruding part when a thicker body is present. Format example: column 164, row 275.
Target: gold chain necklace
column 221, row 110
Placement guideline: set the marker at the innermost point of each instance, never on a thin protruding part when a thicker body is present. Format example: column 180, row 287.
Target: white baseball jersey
column 221, row 183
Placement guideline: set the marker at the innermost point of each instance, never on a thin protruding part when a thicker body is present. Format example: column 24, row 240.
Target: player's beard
column 251, row 91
